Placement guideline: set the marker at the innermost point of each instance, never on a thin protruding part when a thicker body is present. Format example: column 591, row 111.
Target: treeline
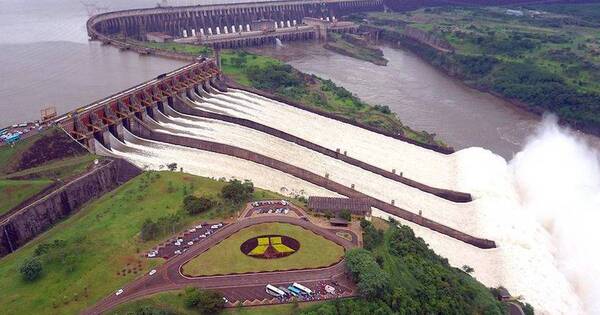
column 402, row 275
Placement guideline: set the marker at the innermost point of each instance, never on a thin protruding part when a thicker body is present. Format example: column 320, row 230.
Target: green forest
column 397, row 273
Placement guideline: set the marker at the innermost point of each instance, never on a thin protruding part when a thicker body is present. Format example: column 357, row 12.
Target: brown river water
column 423, row 97
column 46, row 59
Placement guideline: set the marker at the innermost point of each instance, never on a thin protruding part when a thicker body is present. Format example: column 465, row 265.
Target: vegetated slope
column 547, row 61
column 96, row 251
column 400, row 274
column 32, row 165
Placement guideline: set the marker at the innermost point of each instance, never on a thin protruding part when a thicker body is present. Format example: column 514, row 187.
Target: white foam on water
column 151, row 154
column 414, row 162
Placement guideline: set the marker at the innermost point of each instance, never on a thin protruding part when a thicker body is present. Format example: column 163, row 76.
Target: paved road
column 169, row 276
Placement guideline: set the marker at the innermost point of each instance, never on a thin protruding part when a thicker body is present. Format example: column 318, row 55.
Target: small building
column 338, row 222
column 263, row 25
column 335, row 205
column 158, row 37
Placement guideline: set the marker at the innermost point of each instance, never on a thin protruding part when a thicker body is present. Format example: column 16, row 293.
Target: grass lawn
column 12, row 192
column 173, row 302
column 226, row 257
column 102, row 239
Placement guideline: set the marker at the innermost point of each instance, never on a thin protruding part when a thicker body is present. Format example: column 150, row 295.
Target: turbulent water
column 543, row 250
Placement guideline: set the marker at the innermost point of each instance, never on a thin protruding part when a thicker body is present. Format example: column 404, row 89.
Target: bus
column 302, row 288
column 274, row 291
column 294, row 291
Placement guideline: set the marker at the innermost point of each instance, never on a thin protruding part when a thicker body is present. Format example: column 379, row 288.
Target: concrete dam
column 188, row 21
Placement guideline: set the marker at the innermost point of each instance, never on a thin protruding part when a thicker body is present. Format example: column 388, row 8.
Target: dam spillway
column 156, row 125
column 144, row 110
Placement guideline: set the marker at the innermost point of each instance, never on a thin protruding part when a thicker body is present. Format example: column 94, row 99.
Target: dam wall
column 181, row 106
column 36, row 218
column 140, row 129
column 217, row 19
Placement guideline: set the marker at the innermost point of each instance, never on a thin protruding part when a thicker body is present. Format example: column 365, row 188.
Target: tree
column 371, row 280
column 191, row 297
column 194, row 205
column 346, row 215
column 236, row 191
column 31, row 269
column 172, row 167
column 149, row 230
column 205, row 301
column 211, row 302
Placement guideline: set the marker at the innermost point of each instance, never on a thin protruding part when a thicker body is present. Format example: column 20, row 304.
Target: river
column 423, row 97
column 47, row 60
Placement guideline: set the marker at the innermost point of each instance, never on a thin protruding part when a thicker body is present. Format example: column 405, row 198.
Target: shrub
column 346, row 215
column 194, row 205
column 205, row 301
column 31, row 269
column 149, row 231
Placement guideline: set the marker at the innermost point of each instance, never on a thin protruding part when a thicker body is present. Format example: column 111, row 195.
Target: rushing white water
column 455, row 215
column 155, row 155
column 414, row 162
column 542, row 208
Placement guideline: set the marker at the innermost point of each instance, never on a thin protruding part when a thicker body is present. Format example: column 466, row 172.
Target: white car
column 192, row 230
column 180, row 240
column 199, row 226
column 119, row 292
column 153, row 271
column 177, row 252
column 202, row 236
column 178, row 243
column 190, row 243
column 286, row 211
column 151, row 255
column 225, row 300
column 214, row 226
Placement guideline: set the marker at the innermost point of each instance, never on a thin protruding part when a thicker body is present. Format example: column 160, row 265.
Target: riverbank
column 537, row 61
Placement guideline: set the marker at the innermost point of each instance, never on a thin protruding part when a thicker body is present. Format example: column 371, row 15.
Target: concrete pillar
column 184, row 32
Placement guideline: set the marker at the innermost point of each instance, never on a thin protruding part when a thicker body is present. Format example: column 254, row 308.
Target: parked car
column 190, row 243
column 153, row 271
column 119, row 292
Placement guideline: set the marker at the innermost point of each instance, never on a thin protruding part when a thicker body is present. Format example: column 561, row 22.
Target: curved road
column 169, row 277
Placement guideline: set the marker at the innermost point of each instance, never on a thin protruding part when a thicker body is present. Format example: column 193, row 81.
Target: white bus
column 302, row 288
column 274, row 291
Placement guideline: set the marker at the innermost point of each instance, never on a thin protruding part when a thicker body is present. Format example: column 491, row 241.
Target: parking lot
column 181, row 243
column 281, row 207
column 251, row 295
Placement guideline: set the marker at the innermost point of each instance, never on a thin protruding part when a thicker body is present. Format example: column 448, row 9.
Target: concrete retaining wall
column 27, row 223
column 141, row 130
